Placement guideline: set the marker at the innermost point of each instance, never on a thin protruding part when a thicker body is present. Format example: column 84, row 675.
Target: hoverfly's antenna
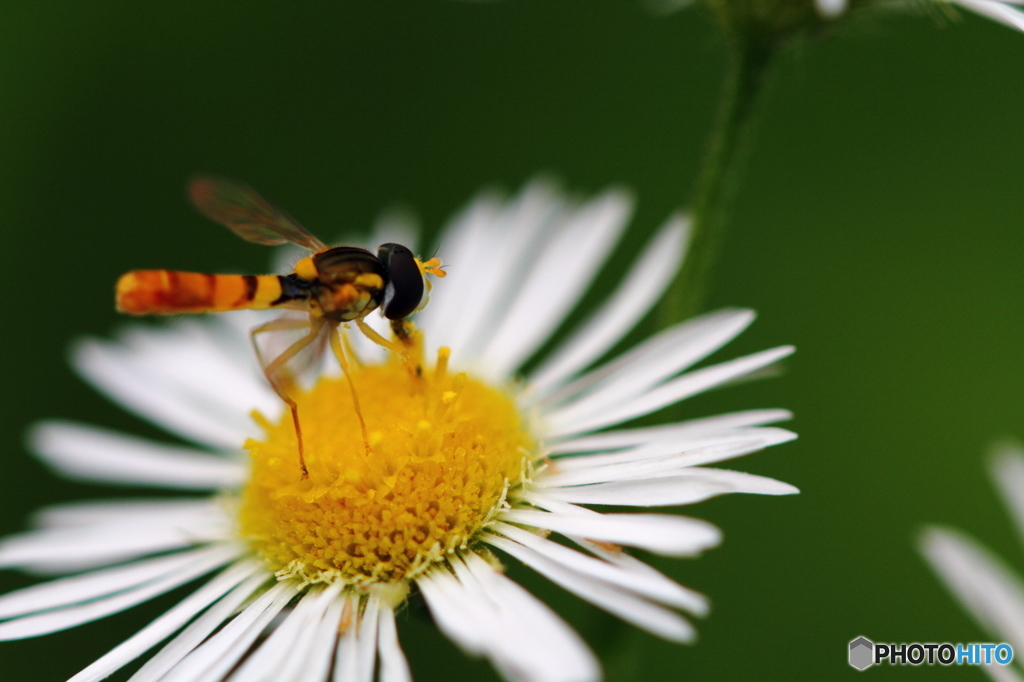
column 431, row 267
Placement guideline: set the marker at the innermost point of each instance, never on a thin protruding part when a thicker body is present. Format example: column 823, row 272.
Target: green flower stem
column 720, row 172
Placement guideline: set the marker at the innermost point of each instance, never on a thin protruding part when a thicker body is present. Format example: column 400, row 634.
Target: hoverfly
column 335, row 285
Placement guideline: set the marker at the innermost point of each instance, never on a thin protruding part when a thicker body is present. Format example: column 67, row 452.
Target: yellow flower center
column 446, row 450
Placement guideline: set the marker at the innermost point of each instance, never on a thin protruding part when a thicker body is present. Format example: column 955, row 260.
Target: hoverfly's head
column 408, row 288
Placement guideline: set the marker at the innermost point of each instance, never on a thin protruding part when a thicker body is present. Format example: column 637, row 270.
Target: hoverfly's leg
column 371, row 333
column 403, row 331
column 339, row 352
column 270, row 369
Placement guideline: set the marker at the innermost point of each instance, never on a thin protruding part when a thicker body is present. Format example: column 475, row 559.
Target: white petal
column 161, row 512
column 1002, row 673
column 641, row 463
column 168, row 623
column 674, row 454
column 504, row 250
column 180, row 381
column 668, row 393
column 684, row 487
column 486, row 613
column 315, row 666
column 614, row 599
column 691, row 600
column 693, row 428
column 989, row 590
column 650, row 583
column 73, row 549
column 346, row 661
column 830, row 9
column 556, row 651
column 467, row 623
column 462, row 247
column 638, row 292
column 367, row 651
column 393, row 665
column 89, row 586
column 204, row 561
column 1006, row 468
column 93, row 454
column 287, row 643
column 394, row 226
column 201, row 628
column 556, row 282
column 219, row 654
column 995, row 10
column 663, row 355
column 659, row 533
column 357, row 650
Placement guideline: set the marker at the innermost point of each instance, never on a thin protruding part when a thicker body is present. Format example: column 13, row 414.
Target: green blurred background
column 879, row 229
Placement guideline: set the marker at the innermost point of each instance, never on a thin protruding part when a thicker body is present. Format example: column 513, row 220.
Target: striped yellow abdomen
column 170, row 292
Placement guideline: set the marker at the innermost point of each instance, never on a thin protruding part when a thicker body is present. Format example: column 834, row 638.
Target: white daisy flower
column 988, row 589
column 471, row 464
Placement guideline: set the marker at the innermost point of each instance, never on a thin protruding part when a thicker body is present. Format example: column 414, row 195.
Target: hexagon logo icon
column 862, row 653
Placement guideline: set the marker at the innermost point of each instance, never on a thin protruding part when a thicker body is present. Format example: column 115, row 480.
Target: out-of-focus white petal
column 559, row 277
column 1006, row 469
column 92, row 454
column 65, row 550
column 989, row 590
column 509, row 248
column 146, row 384
column 203, row 561
column 86, row 587
column 394, row 226
column 693, row 428
column 638, row 292
column 830, row 9
column 158, row 512
column 659, row 533
column 997, row 11
column 666, row 394
column 168, row 623
column 1002, row 673
column 462, row 245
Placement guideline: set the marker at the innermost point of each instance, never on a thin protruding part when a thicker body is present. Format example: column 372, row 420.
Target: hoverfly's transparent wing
column 249, row 215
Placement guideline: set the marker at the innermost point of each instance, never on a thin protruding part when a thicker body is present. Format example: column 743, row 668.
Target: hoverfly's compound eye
column 404, row 289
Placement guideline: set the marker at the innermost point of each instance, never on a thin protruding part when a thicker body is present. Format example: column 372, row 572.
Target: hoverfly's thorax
column 350, row 282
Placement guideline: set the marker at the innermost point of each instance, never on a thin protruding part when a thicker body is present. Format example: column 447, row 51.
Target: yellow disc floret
column 445, row 452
